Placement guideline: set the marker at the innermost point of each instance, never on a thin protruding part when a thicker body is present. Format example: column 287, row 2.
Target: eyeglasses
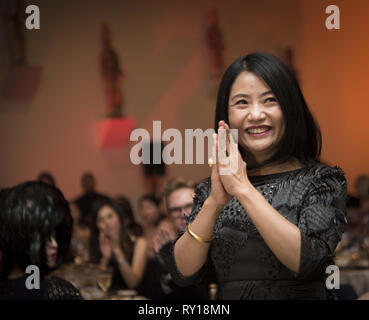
column 178, row 210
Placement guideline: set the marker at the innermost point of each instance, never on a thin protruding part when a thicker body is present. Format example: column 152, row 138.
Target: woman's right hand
column 105, row 246
column 218, row 195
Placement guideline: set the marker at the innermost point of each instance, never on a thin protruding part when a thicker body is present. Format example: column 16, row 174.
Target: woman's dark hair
column 30, row 214
column 154, row 200
column 302, row 137
column 126, row 242
column 151, row 198
column 127, row 211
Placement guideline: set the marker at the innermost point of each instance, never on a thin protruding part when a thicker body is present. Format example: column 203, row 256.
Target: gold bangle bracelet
column 196, row 237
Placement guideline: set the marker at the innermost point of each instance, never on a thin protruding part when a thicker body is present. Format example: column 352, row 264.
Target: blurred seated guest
column 35, row 229
column 364, row 209
column 361, row 185
column 46, row 177
column 80, row 237
column 152, row 220
column 128, row 215
column 346, row 292
column 358, row 215
column 178, row 195
column 112, row 245
column 87, row 199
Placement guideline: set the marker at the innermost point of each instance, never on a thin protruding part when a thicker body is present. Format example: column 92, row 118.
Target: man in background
column 178, row 195
column 87, row 199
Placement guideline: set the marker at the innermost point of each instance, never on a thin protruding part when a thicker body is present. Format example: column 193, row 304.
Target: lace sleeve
column 201, row 193
column 60, row 289
column 322, row 221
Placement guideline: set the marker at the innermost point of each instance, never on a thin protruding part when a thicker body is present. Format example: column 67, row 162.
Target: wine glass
column 213, row 291
column 104, row 279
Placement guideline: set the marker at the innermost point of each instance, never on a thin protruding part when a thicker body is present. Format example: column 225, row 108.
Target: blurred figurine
column 215, row 44
column 12, row 14
column 112, row 75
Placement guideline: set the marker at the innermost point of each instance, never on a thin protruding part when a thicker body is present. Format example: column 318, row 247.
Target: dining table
column 84, row 277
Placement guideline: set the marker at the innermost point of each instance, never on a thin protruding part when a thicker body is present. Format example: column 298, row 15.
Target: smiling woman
column 257, row 116
column 261, row 91
column 269, row 230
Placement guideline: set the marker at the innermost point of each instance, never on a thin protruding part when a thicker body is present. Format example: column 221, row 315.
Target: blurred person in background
column 178, row 195
column 358, row 215
column 113, row 245
column 35, row 229
column 128, row 215
column 46, row 177
column 85, row 201
column 153, row 220
column 80, row 237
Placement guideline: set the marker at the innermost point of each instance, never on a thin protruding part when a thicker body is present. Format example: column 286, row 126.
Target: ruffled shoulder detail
column 327, row 179
column 322, row 219
column 326, row 198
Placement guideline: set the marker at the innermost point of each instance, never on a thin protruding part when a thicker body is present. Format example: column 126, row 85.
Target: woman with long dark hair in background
column 112, row 244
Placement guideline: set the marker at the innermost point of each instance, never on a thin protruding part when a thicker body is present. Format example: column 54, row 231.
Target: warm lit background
column 161, row 45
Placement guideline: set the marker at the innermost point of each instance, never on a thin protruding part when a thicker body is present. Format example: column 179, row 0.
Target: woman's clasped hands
column 229, row 175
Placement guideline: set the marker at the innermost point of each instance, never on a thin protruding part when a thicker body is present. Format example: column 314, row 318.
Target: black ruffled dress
column 313, row 198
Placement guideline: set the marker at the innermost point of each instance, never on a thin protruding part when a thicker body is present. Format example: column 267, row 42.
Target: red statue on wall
column 215, row 44
column 112, row 75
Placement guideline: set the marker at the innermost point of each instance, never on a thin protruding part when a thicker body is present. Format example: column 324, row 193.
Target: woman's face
column 149, row 212
column 255, row 112
column 108, row 221
column 51, row 252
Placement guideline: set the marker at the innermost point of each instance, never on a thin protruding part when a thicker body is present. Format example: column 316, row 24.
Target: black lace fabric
column 60, row 289
column 313, row 198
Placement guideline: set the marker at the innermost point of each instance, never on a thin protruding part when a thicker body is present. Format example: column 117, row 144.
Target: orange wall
column 162, row 49
column 161, row 46
column 334, row 68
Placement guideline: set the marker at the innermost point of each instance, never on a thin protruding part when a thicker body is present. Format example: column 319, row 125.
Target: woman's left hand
column 236, row 181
